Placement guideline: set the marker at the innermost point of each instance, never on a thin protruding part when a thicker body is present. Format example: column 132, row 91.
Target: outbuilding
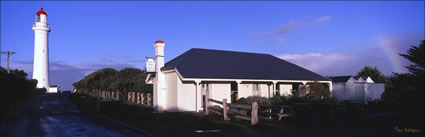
column 187, row 81
column 356, row 88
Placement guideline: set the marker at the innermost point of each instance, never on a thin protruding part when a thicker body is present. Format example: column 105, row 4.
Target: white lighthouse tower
column 41, row 50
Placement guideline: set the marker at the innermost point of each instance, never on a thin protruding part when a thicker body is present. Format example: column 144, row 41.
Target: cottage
column 187, row 81
column 356, row 88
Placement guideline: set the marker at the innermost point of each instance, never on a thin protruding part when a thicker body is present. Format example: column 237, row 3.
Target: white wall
column 171, row 92
column 338, row 91
column 265, row 90
column 285, row 89
column 358, row 91
column 220, row 91
column 186, row 96
column 244, row 90
column 52, row 90
column 374, row 91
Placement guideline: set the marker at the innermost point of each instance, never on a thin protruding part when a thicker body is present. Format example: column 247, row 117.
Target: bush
column 15, row 87
column 234, row 111
column 39, row 91
column 329, row 100
column 278, row 100
column 262, row 101
column 299, row 100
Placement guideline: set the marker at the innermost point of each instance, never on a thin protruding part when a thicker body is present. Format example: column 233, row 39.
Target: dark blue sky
column 330, row 38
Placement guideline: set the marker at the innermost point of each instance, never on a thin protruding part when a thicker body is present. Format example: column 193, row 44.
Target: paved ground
column 52, row 115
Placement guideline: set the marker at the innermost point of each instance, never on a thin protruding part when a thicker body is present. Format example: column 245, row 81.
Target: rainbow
column 393, row 56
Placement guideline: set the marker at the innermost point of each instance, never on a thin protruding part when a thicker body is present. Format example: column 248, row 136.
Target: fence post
column 128, row 96
column 138, row 97
column 254, row 113
column 149, row 99
column 225, row 110
column 118, row 95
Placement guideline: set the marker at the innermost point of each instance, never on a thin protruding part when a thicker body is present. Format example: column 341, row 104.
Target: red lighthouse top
column 159, row 41
column 41, row 12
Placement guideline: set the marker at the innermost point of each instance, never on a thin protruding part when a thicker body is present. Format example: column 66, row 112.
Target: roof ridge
column 341, row 76
column 230, row 51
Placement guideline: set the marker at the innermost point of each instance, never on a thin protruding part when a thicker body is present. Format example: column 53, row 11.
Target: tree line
column 109, row 79
column 16, row 87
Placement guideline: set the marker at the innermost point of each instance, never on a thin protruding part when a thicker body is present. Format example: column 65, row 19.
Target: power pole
column 8, row 59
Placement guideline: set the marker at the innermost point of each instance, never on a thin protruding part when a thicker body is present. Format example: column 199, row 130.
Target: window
column 37, row 18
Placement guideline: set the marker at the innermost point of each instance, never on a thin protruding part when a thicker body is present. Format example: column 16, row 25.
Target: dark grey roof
column 340, row 78
column 207, row 63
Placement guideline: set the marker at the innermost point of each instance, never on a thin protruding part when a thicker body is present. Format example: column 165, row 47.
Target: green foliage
column 373, row 73
column 318, row 91
column 108, row 79
column 15, row 87
column 260, row 100
column 295, row 99
column 241, row 112
column 416, row 55
column 410, row 85
column 278, row 100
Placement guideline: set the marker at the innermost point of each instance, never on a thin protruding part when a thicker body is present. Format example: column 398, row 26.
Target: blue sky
column 330, row 38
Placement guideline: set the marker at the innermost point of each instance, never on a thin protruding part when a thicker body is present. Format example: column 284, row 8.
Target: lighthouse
column 41, row 50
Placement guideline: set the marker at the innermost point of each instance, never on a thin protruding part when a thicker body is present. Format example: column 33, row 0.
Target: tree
column 15, row 87
column 108, row 79
column 416, row 55
column 409, row 88
column 373, row 73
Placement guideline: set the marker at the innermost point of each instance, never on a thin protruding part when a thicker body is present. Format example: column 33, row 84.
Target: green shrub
column 262, row 101
column 242, row 101
column 216, row 107
column 39, row 91
column 278, row 100
column 234, row 111
column 330, row 100
column 299, row 100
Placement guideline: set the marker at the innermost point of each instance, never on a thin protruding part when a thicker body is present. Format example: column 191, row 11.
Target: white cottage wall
column 244, row 90
column 265, row 90
column 171, row 82
column 285, row 89
column 186, row 96
column 220, row 91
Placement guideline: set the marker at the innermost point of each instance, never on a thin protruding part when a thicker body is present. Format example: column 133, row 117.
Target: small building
column 53, row 89
column 187, row 81
column 356, row 88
